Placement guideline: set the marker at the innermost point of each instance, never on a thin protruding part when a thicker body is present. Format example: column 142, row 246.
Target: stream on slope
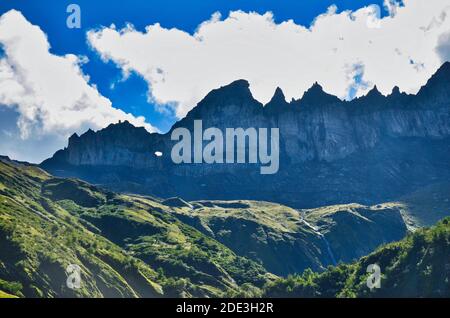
column 322, row 237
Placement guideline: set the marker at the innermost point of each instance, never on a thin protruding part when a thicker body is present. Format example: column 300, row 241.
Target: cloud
column 443, row 47
column 181, row 68
column 391, row 6
column 49, row 93
column 35, row 148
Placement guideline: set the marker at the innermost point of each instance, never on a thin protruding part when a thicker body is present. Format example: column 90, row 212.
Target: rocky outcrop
column 121, row 144
column 368, row 150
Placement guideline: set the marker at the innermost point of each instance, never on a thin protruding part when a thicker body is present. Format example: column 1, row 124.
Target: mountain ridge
column 279, row 97
column 331, row 151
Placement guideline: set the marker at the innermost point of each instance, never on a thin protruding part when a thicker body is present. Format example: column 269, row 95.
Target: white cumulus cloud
column 50, row 93
column 339, row 50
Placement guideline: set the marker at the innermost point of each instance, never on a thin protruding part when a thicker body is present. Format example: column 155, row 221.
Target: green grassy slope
column 288, row 241
column 133, row 246
column 268, row 233
column 417, row 266
column 6, row 295
column 125, row 246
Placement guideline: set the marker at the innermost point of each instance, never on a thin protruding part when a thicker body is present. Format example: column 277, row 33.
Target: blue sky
column 131, row 95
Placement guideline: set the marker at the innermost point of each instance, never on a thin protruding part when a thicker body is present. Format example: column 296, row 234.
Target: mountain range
column 359, row 182
column 369, row 150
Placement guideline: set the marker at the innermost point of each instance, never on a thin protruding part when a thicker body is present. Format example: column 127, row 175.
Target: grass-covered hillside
column 125, row 246
column 288, row 241
column 6, row 295
column 417, row 266
column 134, row 246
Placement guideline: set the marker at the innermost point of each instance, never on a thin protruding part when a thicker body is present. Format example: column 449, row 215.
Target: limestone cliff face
column 331, row 151
column 121, row 144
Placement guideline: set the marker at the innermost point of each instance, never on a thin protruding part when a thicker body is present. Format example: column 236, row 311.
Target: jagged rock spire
column 277, row 102
column 315, row 95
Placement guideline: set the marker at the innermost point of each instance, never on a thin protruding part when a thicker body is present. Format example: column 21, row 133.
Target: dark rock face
column 369, row 150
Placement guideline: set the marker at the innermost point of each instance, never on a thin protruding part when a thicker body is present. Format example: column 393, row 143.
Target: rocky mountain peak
column 236, row 94
column 397, row 96
column 443, row 72
column 373, row 97
column 73, row 139
column 123, row 127
column 122, row 134
column 439, row 81
column 74, row 136
column 278, row 96
column 239, row 89
column 315, row 95
column 395, row 91
column 374, row 92
column 277, row 102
